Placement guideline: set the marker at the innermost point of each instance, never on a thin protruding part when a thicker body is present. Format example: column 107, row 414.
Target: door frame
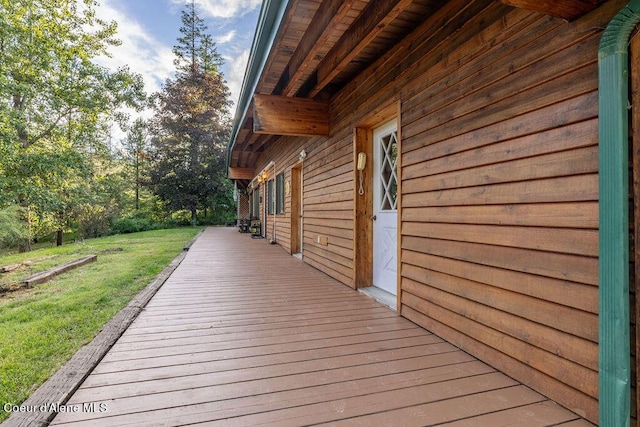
column 296, row 242
column 363, row 204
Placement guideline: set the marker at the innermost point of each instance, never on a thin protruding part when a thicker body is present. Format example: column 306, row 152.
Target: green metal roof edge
column 269, row 21
column 614, row 368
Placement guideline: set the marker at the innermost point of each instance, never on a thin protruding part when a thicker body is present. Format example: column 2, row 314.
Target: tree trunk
column 59, row 237
column 194, row 217
column 137, row 179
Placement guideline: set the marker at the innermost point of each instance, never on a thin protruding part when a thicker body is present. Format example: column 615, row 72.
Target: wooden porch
column 242, row 334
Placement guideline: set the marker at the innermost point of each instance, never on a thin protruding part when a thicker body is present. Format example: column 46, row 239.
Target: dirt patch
column 110, row 250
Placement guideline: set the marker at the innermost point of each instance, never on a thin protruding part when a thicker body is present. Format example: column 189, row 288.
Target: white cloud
column 146, row 55
column 225, row 38
column 236, row 66
column 224, row 8
column 139, row 50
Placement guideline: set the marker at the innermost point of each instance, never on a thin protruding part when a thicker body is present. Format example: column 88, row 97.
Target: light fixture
column 303, row 155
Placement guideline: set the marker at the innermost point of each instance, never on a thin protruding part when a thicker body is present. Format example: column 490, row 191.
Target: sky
column 148, row 30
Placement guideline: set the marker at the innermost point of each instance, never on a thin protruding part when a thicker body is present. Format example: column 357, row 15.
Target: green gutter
column 269, row 21
column 614, row 330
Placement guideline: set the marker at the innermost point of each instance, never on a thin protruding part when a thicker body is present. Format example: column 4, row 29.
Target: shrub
column 93, row 221
column 132, row 224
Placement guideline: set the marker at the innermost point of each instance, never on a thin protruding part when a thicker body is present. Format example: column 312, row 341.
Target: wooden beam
column 281, row 115
column 369, row 24
column 241, row 173
column 567, row 9
column 329, row 15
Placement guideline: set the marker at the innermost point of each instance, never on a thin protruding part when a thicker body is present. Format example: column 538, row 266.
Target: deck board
column 244, row 334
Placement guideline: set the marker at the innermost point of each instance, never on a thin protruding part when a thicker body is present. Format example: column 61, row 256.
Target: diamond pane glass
column 388, row 172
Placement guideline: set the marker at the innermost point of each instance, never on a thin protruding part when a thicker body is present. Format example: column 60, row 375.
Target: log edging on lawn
column 61, row 385
column 45, row 276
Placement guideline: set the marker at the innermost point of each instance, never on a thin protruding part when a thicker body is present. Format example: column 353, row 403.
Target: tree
column 54, row 101
column 136, row 153
column 191, row 123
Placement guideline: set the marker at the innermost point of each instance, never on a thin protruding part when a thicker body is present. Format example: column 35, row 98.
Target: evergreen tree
column 191, row 123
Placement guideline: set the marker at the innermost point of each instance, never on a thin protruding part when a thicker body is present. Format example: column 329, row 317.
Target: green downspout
column 614, row 331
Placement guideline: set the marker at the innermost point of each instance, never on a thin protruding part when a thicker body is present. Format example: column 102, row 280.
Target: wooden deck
column 242, row 334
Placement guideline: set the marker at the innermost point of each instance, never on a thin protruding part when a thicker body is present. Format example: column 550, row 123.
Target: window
column 389, row 171
column 270, row 197
column 255, row 203
column 280, row 193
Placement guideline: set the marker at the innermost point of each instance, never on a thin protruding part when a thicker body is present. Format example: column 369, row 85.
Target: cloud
column 236, row 66
column 224, row 8
column 139, row 50
column 225, row 38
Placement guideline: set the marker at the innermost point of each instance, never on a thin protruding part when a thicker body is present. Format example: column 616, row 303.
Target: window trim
column 255, row 203
column 270, row 194
column 280, row 209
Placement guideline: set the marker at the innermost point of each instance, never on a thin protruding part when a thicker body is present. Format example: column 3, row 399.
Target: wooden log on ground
column 45, row 276
column 12, row 267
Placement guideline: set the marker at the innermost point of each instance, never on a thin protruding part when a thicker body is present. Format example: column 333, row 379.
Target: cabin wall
column 499, row 214
column 284, row 155
column 327, row 201
column 499, row 188
column 499, row 225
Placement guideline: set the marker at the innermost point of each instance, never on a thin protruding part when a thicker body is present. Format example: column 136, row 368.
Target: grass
column 42, row 327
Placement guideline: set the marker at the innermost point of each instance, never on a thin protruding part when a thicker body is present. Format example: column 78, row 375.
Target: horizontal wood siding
column 328, row 207
column 499, row 226
column 499, row 220
column 327, row 201
column 284, row 153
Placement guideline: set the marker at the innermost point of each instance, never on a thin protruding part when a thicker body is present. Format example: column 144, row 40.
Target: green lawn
column 42, row 327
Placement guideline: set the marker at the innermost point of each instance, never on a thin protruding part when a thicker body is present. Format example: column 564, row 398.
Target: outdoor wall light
column 303, row 155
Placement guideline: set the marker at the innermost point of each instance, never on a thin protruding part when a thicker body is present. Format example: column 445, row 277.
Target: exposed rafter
column 281, row 115
column 369, row 24
column 327, row 18
column 567, row 9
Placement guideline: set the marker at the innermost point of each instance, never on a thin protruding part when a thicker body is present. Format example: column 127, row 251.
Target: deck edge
column 59, row 388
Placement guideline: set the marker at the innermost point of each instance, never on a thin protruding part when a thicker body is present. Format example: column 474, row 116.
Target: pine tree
column 191, row 123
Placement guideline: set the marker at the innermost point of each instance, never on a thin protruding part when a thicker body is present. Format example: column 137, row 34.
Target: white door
column 385, row 195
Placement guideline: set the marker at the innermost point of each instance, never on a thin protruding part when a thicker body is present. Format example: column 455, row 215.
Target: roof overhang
column 269, row 21
column 305, row 51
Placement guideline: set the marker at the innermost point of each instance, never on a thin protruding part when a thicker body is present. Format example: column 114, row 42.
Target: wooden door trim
column 296, row 209
column 363, row 204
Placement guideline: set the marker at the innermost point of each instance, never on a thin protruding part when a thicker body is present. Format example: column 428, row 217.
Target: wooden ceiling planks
column 567, row 9
column 364, row 30
column 321, row 45
column 326, row 20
